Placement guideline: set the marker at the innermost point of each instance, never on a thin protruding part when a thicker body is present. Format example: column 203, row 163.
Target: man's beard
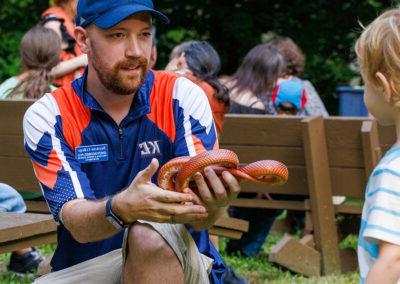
column 114, row 81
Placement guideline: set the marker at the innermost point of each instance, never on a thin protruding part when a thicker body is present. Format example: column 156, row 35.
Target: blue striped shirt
column 381, row 212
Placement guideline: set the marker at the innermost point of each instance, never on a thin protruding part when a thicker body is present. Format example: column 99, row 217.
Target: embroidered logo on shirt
column 91, row 153
column 149, row 148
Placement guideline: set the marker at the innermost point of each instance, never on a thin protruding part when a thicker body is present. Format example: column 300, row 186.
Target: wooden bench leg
column 320, row 189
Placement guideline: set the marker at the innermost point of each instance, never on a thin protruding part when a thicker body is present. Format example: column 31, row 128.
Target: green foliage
column 16, row 17
column 325, row 30
column 259, row 270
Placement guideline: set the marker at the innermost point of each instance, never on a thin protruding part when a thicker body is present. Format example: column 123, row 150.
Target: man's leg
column 104, row 269
column 157, row 252
column 149, row 258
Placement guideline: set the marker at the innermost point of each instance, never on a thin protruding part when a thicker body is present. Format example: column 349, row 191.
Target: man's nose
column 133, row 48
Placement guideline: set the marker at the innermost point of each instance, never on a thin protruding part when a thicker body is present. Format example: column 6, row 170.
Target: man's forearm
column 86, row 220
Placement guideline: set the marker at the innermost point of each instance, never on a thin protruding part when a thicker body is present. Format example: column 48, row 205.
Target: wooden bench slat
column 293, row 156
column 12, row 113
column 349, row 209
column 14, row 226
column 37, row 207
column 232, row 223
column 262, row 130
column 12, row 146
column 20, row 175
column 227, row 233
column 269, row 204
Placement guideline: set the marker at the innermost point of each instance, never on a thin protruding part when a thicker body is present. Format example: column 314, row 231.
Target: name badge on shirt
column 91, row 153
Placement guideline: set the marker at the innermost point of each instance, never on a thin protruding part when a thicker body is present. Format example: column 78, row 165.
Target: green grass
column 11, row 278
column 258, row 270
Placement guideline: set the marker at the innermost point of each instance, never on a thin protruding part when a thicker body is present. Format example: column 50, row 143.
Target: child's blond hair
column 378, row 50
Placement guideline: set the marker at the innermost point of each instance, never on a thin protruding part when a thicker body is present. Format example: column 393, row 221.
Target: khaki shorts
column 108, row 268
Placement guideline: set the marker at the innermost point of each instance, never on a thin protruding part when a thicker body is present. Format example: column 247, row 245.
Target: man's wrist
column 112, row 217
column 117, row 208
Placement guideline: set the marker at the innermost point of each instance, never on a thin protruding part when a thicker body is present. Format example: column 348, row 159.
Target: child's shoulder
column 389, row 164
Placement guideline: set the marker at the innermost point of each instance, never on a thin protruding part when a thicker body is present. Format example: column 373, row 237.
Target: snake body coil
column 178, row 172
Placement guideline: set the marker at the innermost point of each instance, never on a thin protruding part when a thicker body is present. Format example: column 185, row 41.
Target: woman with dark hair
column 252, row 85
column 39, row 54
column 200, row 63
column 295, row 62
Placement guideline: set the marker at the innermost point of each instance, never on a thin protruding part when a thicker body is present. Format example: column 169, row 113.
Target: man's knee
column 143, row 238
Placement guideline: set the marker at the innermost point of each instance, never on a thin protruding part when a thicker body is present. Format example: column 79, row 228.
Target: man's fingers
column 233, row 184
column 185, row 213
column 166, row 196
column 196, row 199
column 203, row 189
column 216, row 184
column 146, row 174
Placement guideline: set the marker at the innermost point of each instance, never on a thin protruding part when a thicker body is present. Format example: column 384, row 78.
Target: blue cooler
column 351, row 101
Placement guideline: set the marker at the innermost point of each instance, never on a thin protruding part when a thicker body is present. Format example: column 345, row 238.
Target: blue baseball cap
column 290, row 91
column 107, row 13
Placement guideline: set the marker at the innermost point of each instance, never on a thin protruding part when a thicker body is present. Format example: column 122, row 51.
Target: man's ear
column 386, row 85
column 81, row 37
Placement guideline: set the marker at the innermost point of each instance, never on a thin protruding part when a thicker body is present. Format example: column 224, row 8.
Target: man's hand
column 143, row 200
column 214, row 196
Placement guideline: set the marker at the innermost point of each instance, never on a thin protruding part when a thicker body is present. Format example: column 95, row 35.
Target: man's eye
column 117, row 35
column 146, row 34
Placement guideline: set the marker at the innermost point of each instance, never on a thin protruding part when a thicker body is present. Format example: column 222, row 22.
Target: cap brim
column 120, row 13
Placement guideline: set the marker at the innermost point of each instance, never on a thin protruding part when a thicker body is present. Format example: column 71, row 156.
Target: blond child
column 378, row 51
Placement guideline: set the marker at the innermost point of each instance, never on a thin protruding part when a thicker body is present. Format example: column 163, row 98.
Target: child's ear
column 386, row 85
column 181, row 61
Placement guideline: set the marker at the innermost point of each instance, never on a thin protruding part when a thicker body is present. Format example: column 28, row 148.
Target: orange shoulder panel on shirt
column 161, row 103
column 75, row 117
column 48, row 174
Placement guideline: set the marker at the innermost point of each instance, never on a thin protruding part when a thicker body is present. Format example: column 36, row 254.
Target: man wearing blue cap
column 96, row 146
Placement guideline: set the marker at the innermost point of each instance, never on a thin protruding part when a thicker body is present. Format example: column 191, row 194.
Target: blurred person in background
column 289, row 97
column 39, row 54
column 295, row 63
column 252, row 85
column 60, row 18
column 199, row 62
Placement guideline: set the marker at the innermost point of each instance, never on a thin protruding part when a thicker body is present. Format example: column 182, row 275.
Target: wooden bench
column 19, row 231
column 325, row 157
